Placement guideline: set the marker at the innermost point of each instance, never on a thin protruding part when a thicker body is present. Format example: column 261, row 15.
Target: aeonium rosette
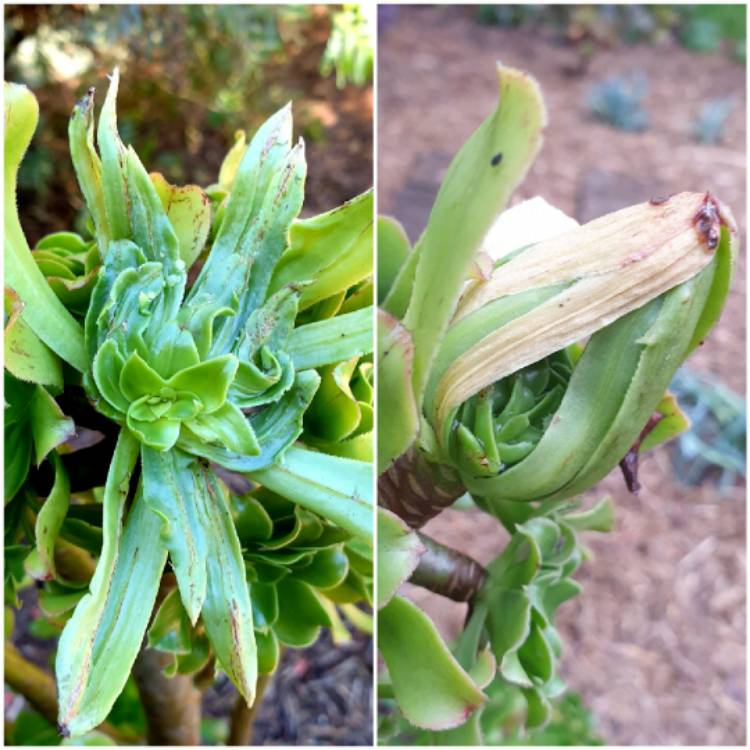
column 166, row 363
column 566, row 350
column 201, row 343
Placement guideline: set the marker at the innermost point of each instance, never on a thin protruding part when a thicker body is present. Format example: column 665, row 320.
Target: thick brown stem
column 38, row 688
column 417, row 490
column 243, row 716
column 172, row 704
column 448, row 572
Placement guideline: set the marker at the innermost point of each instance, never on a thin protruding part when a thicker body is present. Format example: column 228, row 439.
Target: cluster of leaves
column 509, row 642
column 201, row 327
column 521, row 369
column 350, row 47
column 571, row 724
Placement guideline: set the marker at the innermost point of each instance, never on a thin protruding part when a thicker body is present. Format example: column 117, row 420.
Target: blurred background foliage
column 700, row 28
column 193, row 75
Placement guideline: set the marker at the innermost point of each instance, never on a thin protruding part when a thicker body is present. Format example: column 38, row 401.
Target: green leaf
column 469, row 733
column 328, row 568
column 600, row 517
column 399, row 550
column 301, row 614
column 102, row 639
column 333, row 250
column 42, row 310
column 393, row 250
column 57, row 600
column 334, row 413
column 726, row 257
column 189, row 212
column 75, row 653
column 49, row 521
column 112, row 165
column 673, row 421
column 49, row 426
column 266, row 195
column 88, row 167
column 170, row 628
column 209, row 381
column 431, row 688
column 27, row 357
column 253, row 523
column 265, row 601
column 397, row 412
column 170, row 489
column 227, row 612
column 276, row 427
column 232, row 160
column 227, row 427
column 539, row 708
column 269, row 652
column 334, row 340
column 508, row 622
column 476, row 187
column 338, row 489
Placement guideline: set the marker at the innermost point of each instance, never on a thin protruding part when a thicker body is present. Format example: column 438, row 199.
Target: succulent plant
column 520, row 365
column 204, row 342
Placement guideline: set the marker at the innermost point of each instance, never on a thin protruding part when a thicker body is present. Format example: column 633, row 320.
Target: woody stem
column 448, row 572
column 417, row 490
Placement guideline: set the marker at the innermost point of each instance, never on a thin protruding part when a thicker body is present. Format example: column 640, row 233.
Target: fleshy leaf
column 101, row 640
column 27, row 357
column 431, row 688
column 333, row 340
column 227, row 613
column 393, row 250
column 170, row 490
column 333, row 250
column 189, row 212
column 399, row 550
column 49, row 426
column 338, row 489
column 48, row 523
column 397, row 411
column 42, row 310
column 170, row 628
column 487, row 168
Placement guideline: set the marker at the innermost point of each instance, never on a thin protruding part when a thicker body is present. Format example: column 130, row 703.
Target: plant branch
column 172, row 704
column 417, row 490
column 243, row 716
column 38, row 688
column 448, row 572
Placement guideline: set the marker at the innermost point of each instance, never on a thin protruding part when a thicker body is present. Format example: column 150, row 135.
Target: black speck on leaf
column 496, row 159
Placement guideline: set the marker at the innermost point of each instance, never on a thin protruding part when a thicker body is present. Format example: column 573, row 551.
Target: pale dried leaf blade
column 614, row 264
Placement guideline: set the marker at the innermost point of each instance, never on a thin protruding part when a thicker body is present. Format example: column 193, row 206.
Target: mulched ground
column 656, row 642
column 320, row 696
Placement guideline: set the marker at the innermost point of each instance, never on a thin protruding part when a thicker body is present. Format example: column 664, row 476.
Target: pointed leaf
column 170, row 490
column 227, row 612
